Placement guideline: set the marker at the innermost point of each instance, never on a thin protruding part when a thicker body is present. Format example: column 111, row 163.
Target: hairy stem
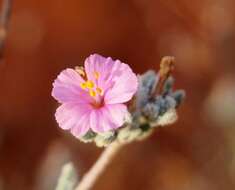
column 92, row 175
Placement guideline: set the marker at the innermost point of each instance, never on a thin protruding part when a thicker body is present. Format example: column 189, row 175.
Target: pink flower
column 92, row 98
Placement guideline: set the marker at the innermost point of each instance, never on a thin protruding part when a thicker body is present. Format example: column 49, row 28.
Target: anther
column 92, row 93
column 89, row 84
column 83, row 85
column 99, row 91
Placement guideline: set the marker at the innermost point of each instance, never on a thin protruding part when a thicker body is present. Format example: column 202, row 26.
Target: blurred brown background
column 46, row 36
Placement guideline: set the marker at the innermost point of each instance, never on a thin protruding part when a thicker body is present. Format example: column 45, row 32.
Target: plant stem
column 92, row 175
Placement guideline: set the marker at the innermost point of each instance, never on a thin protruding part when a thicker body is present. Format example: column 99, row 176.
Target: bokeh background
column 46, row 36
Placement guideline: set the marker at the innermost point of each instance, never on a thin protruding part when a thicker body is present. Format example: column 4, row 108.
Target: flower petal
column 116, row 113
column 73, row 116
column 66, row 88
column 124, row 84
column 108, row 118
column 98, row 64
column 95, row 121
column 82, row 127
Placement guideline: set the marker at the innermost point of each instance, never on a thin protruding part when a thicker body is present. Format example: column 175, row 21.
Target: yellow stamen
column 83, row 85
column 97, row 75
column 99, row 91
column 92, row 93
column 89, row 84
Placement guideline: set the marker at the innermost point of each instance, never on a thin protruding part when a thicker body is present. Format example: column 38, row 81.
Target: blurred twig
column 68, row 178
column 4, row 20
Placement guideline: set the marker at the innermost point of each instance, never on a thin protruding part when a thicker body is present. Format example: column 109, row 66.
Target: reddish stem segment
column 166, row 67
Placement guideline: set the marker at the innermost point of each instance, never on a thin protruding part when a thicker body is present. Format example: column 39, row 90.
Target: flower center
column 93, row 90
column 89, row 85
